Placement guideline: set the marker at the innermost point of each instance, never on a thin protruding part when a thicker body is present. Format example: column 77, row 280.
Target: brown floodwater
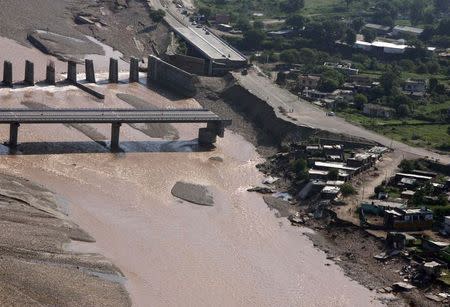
column 235, row 253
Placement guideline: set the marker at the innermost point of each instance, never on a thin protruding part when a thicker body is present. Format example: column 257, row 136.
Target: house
column 408, row 219
column 281, row 33
column 408, row 194
column 362, row 160
column 315, row 174
column 334, row 150
column 314, row 94
column 418, row 178
column 375, row 110
column 416, row 87
column 329, row 192
column 309, row 81
column 345, row 68
column 379, row 29
column 406, row 30
column 378, row 207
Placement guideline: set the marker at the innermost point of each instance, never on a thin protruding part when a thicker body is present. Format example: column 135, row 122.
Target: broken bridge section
column 116, row 117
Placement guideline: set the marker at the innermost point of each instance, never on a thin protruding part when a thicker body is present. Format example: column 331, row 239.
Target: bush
column 157, row 15
column 347, row 189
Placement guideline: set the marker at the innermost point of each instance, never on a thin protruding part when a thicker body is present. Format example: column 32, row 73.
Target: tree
column 299, row 166
column 358, row 23
column 289, row 56
column 433, row 67
column 258, row 25
column 407, row 165
column 348, row 2
column 350, row 37
column 441, row 5
column 416, row 11
column 369, row 35
column 157, row 15
column 296, row 22
column 360, row 100
column 205, row 11
column 290, row 6
column 243, row 24
column 347, row 189
column 333, row 174
column 253, row 38
column 389, row 81
column 403, row 110
column 307, row 56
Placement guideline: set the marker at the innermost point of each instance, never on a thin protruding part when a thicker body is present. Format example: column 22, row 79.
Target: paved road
column 108, row 116
column 209, row 44
column 314, row 117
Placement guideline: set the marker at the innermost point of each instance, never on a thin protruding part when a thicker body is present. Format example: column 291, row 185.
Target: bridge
column 116, row 117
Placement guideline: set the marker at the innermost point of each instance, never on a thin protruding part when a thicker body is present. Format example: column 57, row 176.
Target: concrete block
column 134, row 70
column 113, row 71
column 72, row 72
column 50, row 77
column 29, row 73
column 206, row 137
column 7, row 73
column 90, row 72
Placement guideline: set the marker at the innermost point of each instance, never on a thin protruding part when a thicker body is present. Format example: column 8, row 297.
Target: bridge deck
column 108, row 116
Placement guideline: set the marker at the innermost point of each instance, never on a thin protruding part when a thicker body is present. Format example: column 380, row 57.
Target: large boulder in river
column 193, row 193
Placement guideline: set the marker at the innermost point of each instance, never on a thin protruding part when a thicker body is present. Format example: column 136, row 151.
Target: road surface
column 108, row 116
column 209, row 44
column 309, row 115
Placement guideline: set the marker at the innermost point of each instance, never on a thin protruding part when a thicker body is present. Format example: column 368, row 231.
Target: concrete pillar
column 50, row 73
column 217, row 127
column 115, row 133
column 72, row 72
column 152, row 69
column 29, row 73
column 13, row 134
column 7, row 73
column 210, row 68
column 206, row 137
column 90, row 72
column 134, row 70
column 113, row 71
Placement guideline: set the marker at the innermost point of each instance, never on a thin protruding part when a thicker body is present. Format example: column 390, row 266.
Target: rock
column 262, row 190
column 434, row 297
column 193, row 193
column 402, row 286
column 216, row 159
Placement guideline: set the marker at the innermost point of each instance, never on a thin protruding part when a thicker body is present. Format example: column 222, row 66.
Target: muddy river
column 235, row 253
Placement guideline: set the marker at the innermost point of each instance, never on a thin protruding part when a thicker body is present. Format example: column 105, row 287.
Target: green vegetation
column 321, row 31
column 347, row 189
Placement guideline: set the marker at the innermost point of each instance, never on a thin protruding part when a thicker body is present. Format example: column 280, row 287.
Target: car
column 331, row 114
column 199, row 26
column 206, row 32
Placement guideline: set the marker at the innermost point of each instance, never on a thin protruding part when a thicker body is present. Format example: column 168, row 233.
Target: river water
column 236, row 253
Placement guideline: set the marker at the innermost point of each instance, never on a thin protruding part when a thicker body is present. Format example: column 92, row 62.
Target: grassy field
column 408, row 131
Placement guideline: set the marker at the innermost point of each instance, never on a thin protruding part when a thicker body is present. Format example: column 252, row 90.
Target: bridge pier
column 7, row 74
column 50, row 73
column 206, row 137
column 134, row 70
column 113, row 71
column 72, row 72
column 115, row 133
column 90, row 73
column 29, row 73
column 13, row 134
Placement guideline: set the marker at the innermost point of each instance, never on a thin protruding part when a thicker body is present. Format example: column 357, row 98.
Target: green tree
column 289, row 56
column 295, row 21
column 347, row 189
column 206, row 11
column 157, row 15
column 358, row 23
column 369, row 35
column 441, row 5
column 360, row 100
column 243, row 24
column 258, row 25
column 416, row 11
column 253, row 38
column 307, row 56
column 389, row 81
column 333, row 174
column 290, row 6
column 407, row 165
column 350, row 37
column 299, row 167
column 403, row 110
